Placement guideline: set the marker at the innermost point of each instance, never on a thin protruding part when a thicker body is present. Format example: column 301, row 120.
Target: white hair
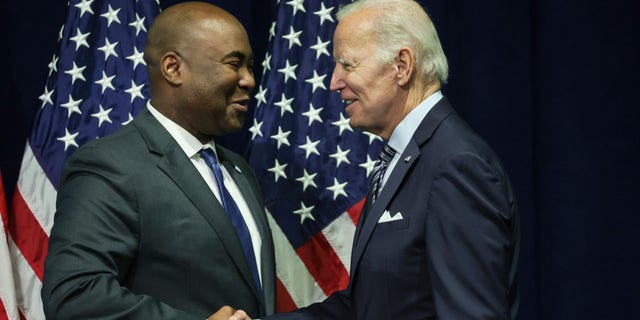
column 404, row 23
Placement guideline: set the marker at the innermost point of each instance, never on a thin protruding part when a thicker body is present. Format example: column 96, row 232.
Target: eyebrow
column 236, row 54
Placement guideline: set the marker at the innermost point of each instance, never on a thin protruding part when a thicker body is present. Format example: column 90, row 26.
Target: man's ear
column 405, row 65
column 172, row 68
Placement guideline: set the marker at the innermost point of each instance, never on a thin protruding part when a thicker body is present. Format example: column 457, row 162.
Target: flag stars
column 307, row 180
column 313, row 114
column 266, row 63
column 60, row 33
column 317, row 81
column 341, row 156
column 76, row 73
column 343, row 124
column 46, row 97
column 368, row 165
column 111, row 16
column 289, row 71
column 284, row 104
column 138, row 24
column 310, row 147
column 372, row 137
column 337, row 188
column 261, row 95
column 80, row 39
column 72, row 106
column 53, row 65
column 304, row 212
column 324, row 13
column 137, row 58
column 84, row 6
column 272, row 30
column 321, row 48
column 278, row 170
column 102, row 116
column 293, row 37
column 297, row 5
column 256, row 129
column 135, row 91
column 281, row 137
column 109, row 49
column 105, row 82
column 129, row 119
column 69, row 139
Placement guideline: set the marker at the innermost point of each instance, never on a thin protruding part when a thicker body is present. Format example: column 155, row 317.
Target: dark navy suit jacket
column 454, row 253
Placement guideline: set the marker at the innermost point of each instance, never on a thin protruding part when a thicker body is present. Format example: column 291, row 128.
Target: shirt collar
column 402, row 134
column 187, row 142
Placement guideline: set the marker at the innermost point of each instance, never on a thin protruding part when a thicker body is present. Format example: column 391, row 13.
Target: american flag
column 8, row 307
column 312, row 166
column 97, row 83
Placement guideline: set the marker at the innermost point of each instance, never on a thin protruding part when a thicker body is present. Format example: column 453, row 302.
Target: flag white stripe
column 36, row 190
column 7, row 288
column 28, row 285
column 339, row 234
column 291, row 271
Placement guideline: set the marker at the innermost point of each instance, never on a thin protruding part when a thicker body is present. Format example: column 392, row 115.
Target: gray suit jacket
column 138, row 234
column 454, row 253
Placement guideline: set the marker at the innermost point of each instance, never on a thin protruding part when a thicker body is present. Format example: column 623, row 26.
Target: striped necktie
column 379, row 169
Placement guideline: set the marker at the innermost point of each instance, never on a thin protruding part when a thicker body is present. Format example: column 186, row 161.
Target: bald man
column 156, row 221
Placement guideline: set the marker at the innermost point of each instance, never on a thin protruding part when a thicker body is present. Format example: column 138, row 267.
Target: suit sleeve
column 94, row 242
column 469, row 232
column 336, row 306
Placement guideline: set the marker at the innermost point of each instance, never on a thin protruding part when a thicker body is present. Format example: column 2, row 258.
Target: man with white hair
column 438, row 237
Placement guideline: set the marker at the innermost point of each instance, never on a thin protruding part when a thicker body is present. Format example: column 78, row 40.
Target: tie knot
column 387, row 153
column 209, row 156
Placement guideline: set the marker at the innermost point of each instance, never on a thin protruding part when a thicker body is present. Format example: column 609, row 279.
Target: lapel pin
column 407, row 159
column 237, row 169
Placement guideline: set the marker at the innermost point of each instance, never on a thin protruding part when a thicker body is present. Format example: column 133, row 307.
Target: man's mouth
column 241, row 105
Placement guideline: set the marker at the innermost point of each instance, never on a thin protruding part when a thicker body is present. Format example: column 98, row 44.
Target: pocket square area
column 387, row 217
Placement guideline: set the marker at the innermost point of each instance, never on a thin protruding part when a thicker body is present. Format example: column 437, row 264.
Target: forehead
column 225, row 37
column 353, row 35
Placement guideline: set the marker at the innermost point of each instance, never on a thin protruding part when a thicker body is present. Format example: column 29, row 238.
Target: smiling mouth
column 241, row 105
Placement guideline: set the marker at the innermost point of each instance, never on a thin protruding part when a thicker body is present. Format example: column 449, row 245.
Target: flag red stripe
column 324, row 264
column 3, row 312
column 355, row 210
column 28, row 234
column 284, row 302
column 3, row 207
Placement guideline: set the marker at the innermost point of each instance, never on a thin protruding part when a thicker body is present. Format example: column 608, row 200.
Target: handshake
column 229, row 313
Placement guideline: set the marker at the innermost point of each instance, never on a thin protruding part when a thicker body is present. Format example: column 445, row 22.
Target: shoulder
column 114, row 152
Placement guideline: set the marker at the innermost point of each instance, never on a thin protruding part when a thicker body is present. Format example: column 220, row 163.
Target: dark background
column 553, row 86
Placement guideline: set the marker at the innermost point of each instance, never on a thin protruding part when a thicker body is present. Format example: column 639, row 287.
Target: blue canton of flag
column 97, row 81
column 312, row 165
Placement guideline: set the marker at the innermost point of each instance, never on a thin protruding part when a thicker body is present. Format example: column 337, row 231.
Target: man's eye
column 235, row 64
column 347, row 66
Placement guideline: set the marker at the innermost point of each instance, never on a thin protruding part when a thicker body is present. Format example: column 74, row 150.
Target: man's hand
column 240, row 315
column 228, row 313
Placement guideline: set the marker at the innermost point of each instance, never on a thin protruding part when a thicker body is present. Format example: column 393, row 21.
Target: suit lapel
column 244, row 185
column 427, row 127
column 179, row 168
column 396, row 176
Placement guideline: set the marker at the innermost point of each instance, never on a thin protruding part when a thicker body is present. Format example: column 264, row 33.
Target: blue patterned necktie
column 379, row 169
column 231, row 208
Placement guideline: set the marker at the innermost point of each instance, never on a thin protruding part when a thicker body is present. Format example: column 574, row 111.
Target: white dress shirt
column 402, row 134
column 191, row 147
